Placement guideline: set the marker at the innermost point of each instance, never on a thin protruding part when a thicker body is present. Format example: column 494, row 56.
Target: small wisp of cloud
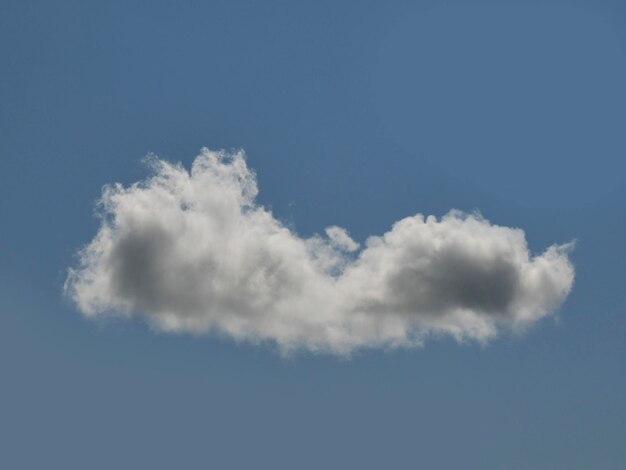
column 192, row 251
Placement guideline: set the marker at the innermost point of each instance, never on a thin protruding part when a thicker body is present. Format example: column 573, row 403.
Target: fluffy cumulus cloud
column 191, row 251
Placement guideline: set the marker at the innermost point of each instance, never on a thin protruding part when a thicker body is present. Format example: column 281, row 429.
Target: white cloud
column 193, row 252
column 340, row 239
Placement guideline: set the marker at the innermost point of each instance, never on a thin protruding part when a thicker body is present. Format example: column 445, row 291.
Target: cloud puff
column 193, row 252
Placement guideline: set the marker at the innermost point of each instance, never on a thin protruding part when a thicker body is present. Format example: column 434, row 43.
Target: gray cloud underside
column 193, row 252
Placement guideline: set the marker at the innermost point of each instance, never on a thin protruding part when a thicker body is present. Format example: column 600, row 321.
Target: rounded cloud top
column 191, row 251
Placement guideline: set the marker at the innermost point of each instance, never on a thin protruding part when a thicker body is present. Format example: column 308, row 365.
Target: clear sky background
column 351, row 113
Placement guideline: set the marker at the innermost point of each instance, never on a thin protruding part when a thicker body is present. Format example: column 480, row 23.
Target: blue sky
column 354, row 115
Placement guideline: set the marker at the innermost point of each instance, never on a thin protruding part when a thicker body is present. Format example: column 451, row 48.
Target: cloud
column 193, row 252
column 340, row 239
